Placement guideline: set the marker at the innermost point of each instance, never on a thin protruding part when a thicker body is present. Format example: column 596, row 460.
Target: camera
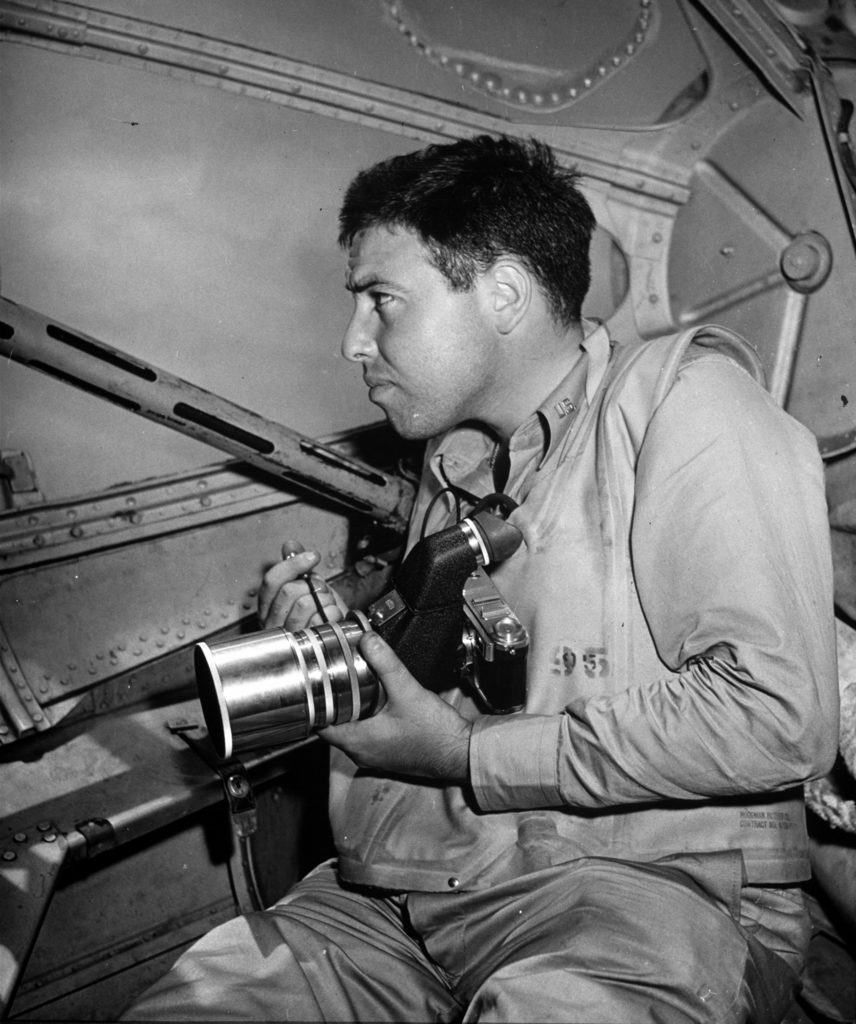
column 443, row 616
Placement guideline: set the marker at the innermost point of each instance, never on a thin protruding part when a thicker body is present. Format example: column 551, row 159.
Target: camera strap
column 497, row 502
column 501, row 466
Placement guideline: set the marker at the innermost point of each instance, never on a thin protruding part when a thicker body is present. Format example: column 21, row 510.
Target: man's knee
column 322, row 953
column 633, row 943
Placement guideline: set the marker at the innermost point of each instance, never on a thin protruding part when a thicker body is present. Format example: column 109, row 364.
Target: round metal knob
column 508, row 631
column 806, row 262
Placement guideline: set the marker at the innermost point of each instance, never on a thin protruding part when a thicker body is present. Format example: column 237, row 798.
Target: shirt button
column 453, row 883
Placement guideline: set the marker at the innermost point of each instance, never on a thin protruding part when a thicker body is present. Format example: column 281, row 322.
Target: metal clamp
column 232, row 773
column 242, row 811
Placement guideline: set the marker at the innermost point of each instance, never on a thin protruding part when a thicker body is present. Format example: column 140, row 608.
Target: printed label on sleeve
column 765, row 819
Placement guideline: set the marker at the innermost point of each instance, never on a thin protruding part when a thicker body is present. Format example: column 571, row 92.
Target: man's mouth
column 376, row 387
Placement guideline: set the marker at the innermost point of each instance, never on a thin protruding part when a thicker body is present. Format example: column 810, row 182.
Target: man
column 628, row 848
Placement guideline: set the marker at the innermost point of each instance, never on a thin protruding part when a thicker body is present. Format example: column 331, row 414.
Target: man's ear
column 510, row 292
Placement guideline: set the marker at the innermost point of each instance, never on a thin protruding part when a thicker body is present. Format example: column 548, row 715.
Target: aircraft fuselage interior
column 173, row 404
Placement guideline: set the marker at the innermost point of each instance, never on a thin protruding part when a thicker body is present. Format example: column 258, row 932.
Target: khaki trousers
column 596, row 941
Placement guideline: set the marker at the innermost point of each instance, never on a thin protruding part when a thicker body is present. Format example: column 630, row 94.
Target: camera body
column 443, row 616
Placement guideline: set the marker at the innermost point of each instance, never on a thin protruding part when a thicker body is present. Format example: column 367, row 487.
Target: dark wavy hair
column 473, row 201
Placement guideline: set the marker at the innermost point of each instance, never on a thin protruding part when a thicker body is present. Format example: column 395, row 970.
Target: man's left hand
column 415, row 733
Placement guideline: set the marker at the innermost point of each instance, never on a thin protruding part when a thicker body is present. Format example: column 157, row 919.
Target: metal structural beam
column 75, row 358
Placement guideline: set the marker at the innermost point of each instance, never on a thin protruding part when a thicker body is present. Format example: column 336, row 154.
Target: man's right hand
column 285, row 599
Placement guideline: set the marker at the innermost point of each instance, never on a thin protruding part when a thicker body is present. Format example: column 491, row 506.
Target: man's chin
column 407, row 428
column 408, row 425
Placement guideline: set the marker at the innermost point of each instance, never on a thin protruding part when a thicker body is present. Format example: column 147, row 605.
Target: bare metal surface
column 137, row 43
column 643, row 183
column 768, row 42
column 127, row 771
column 529, row 86
column 30, row 863
column 72, row 356
column 76, row 526
column 109, row 615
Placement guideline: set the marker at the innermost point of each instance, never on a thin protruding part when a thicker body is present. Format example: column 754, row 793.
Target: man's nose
column 358, row 343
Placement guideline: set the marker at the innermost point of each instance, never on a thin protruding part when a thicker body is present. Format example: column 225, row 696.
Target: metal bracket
column 18, row 484
column 99, row 835
column 232, row 773
column 242, row 812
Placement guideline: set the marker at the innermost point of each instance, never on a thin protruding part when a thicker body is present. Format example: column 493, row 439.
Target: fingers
column 286, row 597
column 278, row 577
column 377, row 652
column 386, row 664
column 292, row 547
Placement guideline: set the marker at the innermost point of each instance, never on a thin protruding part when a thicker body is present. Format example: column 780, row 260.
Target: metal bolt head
column 799, row 262
column 238, row 786
column 806, row 262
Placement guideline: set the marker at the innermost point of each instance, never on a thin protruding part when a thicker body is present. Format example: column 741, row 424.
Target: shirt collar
column 462, row 448
column 559, row 411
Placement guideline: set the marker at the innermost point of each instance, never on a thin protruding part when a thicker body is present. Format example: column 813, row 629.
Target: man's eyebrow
column 362, row 286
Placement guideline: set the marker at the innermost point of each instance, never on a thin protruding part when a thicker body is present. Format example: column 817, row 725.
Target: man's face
column 427, row 351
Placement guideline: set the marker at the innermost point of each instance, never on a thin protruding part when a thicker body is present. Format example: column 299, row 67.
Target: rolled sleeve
column 513, row 762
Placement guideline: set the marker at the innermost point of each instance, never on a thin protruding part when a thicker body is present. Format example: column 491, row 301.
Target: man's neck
column 531, row 375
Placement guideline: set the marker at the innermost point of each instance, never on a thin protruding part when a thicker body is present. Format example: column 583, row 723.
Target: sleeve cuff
column 514, row 762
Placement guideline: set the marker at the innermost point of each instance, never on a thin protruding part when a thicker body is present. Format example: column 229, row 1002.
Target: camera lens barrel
column 275, row 687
